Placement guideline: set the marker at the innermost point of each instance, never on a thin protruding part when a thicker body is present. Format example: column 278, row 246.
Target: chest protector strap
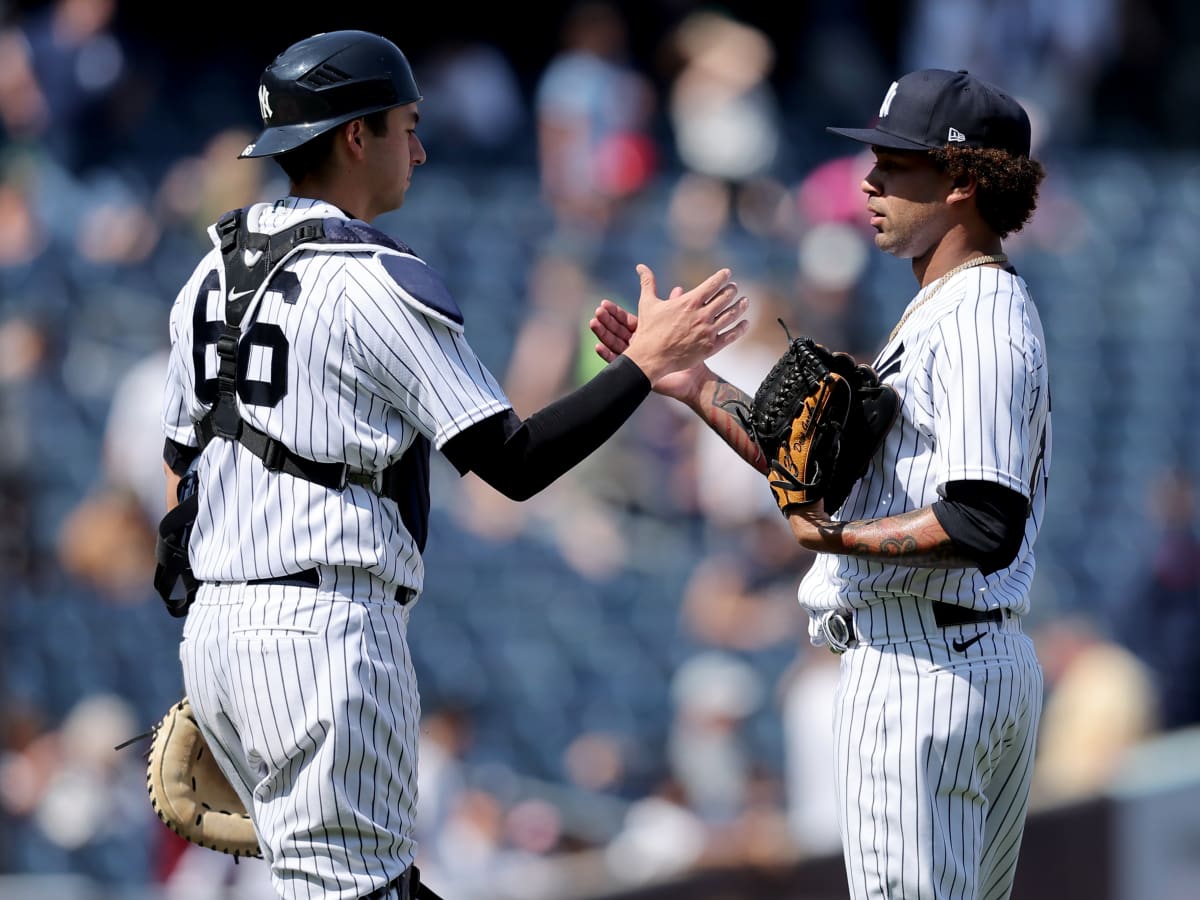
column 407, row 480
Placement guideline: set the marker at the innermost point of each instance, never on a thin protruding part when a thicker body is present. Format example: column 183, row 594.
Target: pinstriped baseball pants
column 934, row 748
column 309, row 701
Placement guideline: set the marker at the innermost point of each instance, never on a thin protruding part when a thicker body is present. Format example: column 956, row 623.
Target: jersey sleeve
column 181, row 408
column 985, row 385
column 414, row 358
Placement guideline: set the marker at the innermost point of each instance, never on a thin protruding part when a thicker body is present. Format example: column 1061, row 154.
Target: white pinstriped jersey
column 368, row 369
column 970, row 369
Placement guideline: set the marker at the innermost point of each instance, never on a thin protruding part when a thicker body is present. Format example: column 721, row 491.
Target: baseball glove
column 818, row 418
column 189, row 792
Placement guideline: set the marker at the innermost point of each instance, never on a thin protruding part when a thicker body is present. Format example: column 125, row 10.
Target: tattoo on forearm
column 911, row 539
column 900, row 546
column 719, row 413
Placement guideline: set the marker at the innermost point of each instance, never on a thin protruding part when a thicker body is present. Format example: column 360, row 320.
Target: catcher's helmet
column 325, row 80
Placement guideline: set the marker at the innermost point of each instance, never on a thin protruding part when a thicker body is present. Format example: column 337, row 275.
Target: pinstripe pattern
column 307, row 696
column 366, row 374
column 934, row 752
column 974, row 396
column 310, row 698
column 934, row 747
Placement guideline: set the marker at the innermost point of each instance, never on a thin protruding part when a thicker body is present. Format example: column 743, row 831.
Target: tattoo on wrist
column 727, row 397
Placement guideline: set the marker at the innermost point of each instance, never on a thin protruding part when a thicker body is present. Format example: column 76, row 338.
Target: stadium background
column 618, row 693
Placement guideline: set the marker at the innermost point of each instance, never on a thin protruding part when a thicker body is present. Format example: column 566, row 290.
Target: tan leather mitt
column 189, row 792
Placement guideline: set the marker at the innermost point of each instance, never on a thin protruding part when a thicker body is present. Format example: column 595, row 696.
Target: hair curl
column 1007, row 190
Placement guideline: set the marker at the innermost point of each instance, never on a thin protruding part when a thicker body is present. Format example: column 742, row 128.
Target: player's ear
column 352, row 136
column 963, row 187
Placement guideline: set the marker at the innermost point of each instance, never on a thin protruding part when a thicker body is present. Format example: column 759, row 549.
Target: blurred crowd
column 616, row 676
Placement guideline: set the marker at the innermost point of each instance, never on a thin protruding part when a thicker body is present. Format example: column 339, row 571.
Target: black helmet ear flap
column 327, row 80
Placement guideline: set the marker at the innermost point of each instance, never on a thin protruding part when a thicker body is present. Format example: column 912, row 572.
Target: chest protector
column 406, row 481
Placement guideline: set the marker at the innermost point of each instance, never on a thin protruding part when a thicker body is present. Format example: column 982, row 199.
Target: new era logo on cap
column 930, row 108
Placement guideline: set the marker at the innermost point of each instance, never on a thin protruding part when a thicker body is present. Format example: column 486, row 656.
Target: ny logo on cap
column 887, row 101
column 955, row 136
column 264, row 102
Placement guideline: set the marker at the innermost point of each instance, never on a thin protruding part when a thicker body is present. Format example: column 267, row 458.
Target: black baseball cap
column 933, row 108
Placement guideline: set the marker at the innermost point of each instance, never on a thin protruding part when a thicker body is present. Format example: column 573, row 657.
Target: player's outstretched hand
column 673, row 335
column 614, row 325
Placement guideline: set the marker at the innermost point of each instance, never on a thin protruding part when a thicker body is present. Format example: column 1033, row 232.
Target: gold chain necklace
column 970, row 263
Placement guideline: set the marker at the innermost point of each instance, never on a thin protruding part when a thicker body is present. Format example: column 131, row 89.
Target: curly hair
column 1007, row 189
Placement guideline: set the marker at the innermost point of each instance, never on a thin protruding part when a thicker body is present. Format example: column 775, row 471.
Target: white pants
column 309, row 701
column 934, row 754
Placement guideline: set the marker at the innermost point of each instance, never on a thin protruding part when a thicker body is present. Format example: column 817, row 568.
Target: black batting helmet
column 325, row 80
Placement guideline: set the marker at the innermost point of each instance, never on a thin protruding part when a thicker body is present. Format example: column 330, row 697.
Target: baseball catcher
column 818, row 417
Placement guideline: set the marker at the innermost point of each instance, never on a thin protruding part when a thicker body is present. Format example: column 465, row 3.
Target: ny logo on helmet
column 264, row 102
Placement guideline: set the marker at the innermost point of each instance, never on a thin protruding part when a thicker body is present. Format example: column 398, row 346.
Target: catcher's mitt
column 190, row 793
column 818, row 417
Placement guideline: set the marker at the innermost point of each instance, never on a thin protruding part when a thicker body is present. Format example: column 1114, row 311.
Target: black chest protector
column 406, row 481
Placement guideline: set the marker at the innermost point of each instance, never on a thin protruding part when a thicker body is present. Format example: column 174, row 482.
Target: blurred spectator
column 63, row 81
column 832, row 259
column 836, row 63
column 596, row 762
column 660, row 836
column 741, row 596
column 197, row 190
column 441, row 780
column 699, row 212
column 27, row 763
column 594, row 112
column 132, row 453
column 1160, row 620
column 714, row 693
column 806, row 694
column 107, row 541
column 83, row 804
column 1100, row 702
column 473, row 105
column 1051, row 53
column 832, row 192
column 22, row 233
column 723, row 110
column 493, row 852
column 22, row 346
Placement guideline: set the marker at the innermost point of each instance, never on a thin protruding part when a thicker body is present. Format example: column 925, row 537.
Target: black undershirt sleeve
column 520, row 458
column 179, row 456
column 985, row 520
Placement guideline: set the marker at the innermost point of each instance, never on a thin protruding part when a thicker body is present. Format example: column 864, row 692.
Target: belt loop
column 399, row 887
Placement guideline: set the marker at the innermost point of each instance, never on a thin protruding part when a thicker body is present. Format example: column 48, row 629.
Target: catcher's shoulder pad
column 188, row 791
column 422, row 288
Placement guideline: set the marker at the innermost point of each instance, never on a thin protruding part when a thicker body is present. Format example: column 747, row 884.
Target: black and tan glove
column 818, row 418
